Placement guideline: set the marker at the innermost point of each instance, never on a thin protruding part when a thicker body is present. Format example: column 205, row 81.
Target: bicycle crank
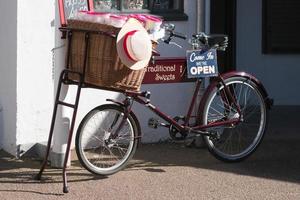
column 175, row 134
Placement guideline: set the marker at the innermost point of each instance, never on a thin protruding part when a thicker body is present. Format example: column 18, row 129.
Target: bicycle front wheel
column 237, row 141
column 98, row 149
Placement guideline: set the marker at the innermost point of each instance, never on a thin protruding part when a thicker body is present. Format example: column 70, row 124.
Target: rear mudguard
column 133, row 116
column 214, row 83
column 268, row 100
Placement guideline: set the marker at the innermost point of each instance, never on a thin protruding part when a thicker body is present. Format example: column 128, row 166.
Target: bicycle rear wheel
column 97, row 150
column 235, row 142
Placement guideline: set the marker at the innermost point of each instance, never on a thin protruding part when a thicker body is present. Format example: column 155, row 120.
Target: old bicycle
column 231, row 118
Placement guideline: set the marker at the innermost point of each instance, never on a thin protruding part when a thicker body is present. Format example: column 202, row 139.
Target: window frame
column 268, row 47
column 168, row 15
column 173, row 14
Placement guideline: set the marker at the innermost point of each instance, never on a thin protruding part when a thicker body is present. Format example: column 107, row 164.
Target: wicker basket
column 104, row 68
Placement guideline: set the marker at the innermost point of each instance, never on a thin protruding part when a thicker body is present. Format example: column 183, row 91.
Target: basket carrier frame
column 63, row 79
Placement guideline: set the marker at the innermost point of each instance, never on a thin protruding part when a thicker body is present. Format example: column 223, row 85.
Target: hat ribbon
column 125, row 44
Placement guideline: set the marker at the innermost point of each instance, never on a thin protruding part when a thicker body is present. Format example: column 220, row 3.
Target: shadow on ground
column 278, row 157
column 23, row 171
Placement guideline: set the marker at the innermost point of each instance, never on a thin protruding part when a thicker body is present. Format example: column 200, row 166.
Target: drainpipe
column 203, row 23
column 200, row 27
column 201, row 16
column 207, row 16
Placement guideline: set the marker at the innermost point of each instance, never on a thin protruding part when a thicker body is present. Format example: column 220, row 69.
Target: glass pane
column 135, row 4
column 166, row 4
column 106, row 5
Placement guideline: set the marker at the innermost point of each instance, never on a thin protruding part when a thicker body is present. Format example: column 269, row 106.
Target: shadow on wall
column 1, row 127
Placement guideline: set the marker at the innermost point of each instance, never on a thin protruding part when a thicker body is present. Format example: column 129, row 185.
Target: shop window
column 280, row 26
column 168, row 9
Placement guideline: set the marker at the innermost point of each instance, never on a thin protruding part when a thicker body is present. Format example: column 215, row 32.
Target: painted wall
column 279, row 73
column 32, row 56
column 8, row 63
column 170, row 98
column 35, row 83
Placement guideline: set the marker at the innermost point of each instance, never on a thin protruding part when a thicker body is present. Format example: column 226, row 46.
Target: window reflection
column 165, row 4
column 106, row 4
column 155, row 6
column 135, row 4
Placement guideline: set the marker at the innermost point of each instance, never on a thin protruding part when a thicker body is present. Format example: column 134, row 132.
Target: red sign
column 166, row 70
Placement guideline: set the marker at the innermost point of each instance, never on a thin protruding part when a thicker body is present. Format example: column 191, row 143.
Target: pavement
column 173, row 171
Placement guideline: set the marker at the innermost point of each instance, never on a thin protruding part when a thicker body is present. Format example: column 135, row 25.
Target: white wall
column 35, row 39
column 279, row 73
column 8, row 54
column 29, row 71
column 186, row 27
column 171, row 98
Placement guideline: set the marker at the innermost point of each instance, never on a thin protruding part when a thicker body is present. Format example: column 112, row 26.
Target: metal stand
column 63, row 79
column 63, row 74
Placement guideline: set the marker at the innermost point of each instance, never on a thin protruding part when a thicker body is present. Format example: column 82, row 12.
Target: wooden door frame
column 223, row 20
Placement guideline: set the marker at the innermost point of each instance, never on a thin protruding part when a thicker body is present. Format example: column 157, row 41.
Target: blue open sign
column 202, row 63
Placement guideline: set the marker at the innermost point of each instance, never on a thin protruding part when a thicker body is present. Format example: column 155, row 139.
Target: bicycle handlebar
column 169, row 28
column 217, row 41
column 179, row 35
column 174, row 34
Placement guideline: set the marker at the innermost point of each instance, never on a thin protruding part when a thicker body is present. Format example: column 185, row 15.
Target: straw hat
column 134, row 45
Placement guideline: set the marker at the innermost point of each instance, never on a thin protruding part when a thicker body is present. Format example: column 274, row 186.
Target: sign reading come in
column 201, row 63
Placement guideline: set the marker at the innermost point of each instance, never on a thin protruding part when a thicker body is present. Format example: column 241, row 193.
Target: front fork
column 127, row 105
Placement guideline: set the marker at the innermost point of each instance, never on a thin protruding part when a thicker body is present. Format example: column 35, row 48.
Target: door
column 223, row 21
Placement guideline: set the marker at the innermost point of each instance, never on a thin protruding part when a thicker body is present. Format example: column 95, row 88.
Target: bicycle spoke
column 248, row 115
column 112, row 153
column 97, row 138
column 238, row 140
column 120, row 149
column 218, row 112
column 226, row 103
column 239, row 97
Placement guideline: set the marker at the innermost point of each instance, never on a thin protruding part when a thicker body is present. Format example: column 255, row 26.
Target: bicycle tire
column 253, row 126
column 93, row 146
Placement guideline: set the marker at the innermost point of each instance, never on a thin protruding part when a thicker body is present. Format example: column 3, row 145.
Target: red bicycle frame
column 199, row 128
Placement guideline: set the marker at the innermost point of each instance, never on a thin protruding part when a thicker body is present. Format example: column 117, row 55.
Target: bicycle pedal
column 215, row 135
column 189, row 142
column 153, row 123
